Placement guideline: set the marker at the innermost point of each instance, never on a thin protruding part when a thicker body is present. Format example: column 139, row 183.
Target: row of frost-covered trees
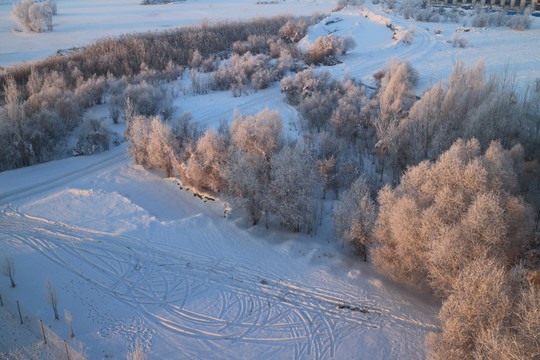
column 46, row 102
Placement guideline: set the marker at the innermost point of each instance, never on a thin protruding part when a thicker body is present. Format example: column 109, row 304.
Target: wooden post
column 19, row 307
column 67, row 353
column 1, row 301
column 43, row 331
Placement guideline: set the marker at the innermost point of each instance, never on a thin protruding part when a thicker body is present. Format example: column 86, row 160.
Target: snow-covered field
column 138, row 260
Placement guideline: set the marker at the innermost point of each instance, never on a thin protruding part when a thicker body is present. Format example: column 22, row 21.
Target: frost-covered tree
column 354, row 217
column 161, row 148
column 51, row 295
column 32, row 16
column 445, row 214
column 53, row 6
column 479, row 301
column 327, row 173
column 326, row 49
column 295, row 187
column 206, row 165
column 395, row 97
column 491, row 313
column 346, row 119
column 254, row 141
column 466, row 105
column 260, row 135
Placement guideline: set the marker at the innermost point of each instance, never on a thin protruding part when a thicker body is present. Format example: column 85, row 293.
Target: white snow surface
column 137, row 259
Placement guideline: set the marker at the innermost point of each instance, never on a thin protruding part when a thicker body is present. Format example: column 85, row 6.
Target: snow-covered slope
column 137, row 259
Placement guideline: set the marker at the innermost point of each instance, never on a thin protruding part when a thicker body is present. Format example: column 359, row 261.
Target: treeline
column 463, row 159
column 45, row 101
column 249, row 161
column 481, row 16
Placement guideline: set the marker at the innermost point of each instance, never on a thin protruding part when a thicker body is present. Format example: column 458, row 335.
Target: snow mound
column 92, row 209
column 369, row 34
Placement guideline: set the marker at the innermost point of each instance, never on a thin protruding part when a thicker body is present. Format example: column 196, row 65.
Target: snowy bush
column 484, row 18
column 155, row 2
column 150, row 100
column 408, row 35
column 295, row 187
column 326, row 49
column 458, row 41
column 241, row 71
column 205, row 167
column 95, row 137
column 305, row 84
column 293, row 30
column 90, row 92
column 521, row 21
column 32, row 16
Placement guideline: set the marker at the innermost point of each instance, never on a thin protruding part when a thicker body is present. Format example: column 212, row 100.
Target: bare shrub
column 8, row 269
column 326, row 49
column 458, row 41
column 293, row 30
column 51, row 295
column 69, row 320
column 408, row 36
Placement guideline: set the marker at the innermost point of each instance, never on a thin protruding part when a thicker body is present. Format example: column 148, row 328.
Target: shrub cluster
column 51, row 95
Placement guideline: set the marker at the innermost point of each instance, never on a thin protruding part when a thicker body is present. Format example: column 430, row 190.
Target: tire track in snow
column 161, row 278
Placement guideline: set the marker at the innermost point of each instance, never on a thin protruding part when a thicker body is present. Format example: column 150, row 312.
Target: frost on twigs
column 34, row 17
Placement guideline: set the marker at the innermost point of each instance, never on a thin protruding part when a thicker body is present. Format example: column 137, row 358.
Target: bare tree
column 137, row 352
column 52, row 297
column 354, row 217
column 69, row 320
column 8, row 269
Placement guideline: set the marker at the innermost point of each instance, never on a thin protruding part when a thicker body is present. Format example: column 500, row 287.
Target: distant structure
column 516, row 5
